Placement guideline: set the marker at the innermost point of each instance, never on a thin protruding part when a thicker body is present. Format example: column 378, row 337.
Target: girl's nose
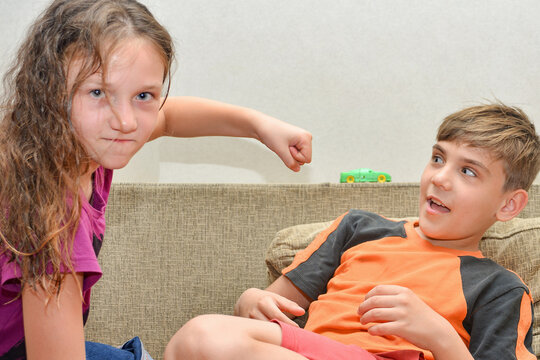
column 124, row 119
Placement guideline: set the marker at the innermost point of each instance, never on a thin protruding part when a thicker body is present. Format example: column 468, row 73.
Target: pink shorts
column 319, row 347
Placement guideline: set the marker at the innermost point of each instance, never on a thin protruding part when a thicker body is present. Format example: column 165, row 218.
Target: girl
column 83, row 97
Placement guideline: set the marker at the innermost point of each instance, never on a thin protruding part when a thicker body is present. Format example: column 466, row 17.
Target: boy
column 383, row 289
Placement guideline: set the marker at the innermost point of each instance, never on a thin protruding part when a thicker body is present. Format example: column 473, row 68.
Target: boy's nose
column 442, row 179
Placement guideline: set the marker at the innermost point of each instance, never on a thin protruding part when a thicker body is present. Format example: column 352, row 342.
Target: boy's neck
column 468, row 244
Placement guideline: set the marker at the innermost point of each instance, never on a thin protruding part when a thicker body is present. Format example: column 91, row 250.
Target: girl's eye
column 144, row 96
column 97, row 93
column 468, row 172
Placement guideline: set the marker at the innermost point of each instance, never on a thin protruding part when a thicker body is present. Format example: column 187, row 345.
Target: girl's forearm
column 191, row 116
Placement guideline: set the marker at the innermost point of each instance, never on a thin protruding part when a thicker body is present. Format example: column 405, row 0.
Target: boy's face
column 461, row 193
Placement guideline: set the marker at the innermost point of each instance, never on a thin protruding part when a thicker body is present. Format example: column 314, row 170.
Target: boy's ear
column 515, row 202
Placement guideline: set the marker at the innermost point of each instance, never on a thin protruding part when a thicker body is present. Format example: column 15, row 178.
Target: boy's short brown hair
column 505, row 131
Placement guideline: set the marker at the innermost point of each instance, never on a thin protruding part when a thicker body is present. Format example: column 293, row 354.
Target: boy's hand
column 266, row 305
column 398, row 311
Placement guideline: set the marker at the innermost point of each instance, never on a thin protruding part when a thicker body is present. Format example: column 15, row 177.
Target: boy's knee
column 197, row 337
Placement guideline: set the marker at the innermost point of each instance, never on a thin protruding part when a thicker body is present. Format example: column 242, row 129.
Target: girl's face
column 115, row 114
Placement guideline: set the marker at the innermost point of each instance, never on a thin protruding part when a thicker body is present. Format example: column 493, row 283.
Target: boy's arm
column 503, row 327
column 397, row 311
column 281, row 300
column 190, row 117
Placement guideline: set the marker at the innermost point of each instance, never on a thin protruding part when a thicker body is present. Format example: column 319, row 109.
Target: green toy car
column 364, row 175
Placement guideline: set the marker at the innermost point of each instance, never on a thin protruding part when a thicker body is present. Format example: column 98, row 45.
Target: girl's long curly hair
column 41, row 157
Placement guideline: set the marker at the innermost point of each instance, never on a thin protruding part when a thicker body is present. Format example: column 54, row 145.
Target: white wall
column 371, row 79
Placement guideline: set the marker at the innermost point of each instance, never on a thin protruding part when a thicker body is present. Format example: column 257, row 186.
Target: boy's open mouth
column 437, row 205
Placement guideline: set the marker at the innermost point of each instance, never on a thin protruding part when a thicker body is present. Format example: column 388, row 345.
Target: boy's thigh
column 318, row 347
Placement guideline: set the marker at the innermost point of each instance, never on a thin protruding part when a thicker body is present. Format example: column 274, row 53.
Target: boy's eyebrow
column 439, row 148
column 467, row 160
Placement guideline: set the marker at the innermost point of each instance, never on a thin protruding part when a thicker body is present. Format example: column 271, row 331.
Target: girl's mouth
column 114, row 140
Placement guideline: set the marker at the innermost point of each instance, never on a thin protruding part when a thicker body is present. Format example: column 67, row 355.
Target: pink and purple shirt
column 86, row 246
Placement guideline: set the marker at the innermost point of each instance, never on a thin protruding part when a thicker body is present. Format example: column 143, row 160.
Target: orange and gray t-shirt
column 490, row 307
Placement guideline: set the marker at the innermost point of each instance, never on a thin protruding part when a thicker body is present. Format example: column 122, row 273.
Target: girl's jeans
column 131, row 350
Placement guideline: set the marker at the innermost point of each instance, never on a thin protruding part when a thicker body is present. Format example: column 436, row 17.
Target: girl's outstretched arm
column 54, row 329
column 191, row 116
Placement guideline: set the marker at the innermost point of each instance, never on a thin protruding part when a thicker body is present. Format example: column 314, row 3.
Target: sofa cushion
column 513, row 244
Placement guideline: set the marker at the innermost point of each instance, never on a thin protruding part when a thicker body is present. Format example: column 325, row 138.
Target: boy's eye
column 437, row 159
column 468, row 172
column 97, row 93
column 144, row 96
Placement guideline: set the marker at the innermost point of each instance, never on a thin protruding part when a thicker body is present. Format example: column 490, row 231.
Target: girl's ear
column 515, row 202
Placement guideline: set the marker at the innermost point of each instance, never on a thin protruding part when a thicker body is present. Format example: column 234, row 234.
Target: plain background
column 371, row 79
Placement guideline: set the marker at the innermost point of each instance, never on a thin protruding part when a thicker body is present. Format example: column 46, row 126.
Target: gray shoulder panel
column 355, row 228
column 493, row 295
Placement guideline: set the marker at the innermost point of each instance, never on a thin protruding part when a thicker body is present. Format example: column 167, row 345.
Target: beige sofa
column 172, row 252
